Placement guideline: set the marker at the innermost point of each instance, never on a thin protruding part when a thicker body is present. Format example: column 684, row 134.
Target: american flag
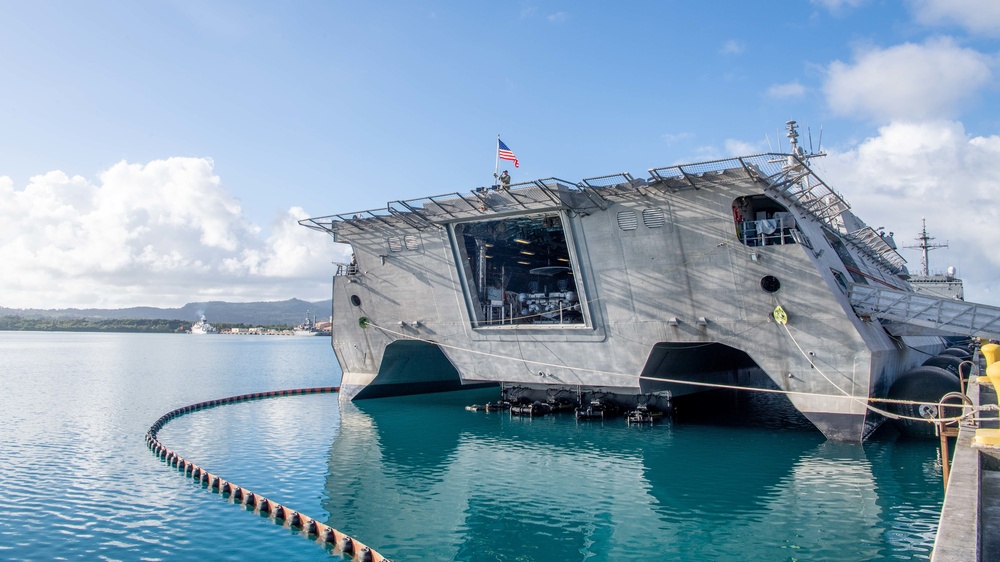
column 505, row 153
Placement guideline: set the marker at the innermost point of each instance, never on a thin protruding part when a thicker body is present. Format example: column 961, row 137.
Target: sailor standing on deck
column 504, row 180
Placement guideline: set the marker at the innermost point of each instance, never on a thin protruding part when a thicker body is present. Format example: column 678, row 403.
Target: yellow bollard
column 993, row 372
column 991, row 352
column 987, row 438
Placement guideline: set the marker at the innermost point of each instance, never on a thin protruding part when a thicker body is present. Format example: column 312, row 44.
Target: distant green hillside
column 290, row 312
column 21, row 324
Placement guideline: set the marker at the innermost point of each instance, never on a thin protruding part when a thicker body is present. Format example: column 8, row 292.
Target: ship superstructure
column 732, row 272
column 946, row 284
column 201, row 327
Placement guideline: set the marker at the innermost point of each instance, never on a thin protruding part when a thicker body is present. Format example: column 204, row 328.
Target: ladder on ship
column 903, row 313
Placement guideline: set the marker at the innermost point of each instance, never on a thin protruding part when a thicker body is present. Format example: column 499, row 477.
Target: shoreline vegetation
column 22, row 324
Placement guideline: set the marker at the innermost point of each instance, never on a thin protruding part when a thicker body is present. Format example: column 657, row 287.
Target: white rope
column 866, row 402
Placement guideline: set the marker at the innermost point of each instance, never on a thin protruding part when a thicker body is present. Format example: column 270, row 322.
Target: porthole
column 770, row 284
column 355, row 300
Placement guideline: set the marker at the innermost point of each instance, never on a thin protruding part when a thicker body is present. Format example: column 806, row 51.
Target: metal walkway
column 913, row 314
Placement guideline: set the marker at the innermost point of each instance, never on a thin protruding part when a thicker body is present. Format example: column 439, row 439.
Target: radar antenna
column 925, row 246
column 793, row 138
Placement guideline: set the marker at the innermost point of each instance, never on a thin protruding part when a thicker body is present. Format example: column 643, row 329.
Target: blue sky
column 156, row 153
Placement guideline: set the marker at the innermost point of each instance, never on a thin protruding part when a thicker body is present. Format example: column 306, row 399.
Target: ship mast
column 925, row 246
column 797, row 156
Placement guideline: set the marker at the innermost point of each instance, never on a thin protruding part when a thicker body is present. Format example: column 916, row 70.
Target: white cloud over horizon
column 908, row 82
column 976, row 16
column 922, row 163
column 933, row 170
column 163, row 233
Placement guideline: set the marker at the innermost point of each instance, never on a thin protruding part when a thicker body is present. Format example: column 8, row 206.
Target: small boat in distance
column 201, row 327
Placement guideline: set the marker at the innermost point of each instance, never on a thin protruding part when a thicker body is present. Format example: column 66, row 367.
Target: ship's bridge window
column 762, row 221
column 520, row 271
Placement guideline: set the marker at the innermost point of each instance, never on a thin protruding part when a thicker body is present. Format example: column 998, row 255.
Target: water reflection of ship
column 489, row 474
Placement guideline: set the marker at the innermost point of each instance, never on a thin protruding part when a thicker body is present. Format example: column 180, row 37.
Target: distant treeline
column 17, row 323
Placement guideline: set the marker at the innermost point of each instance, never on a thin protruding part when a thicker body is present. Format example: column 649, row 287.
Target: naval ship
column 748, row 272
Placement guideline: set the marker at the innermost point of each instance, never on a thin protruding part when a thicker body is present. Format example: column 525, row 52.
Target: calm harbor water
column 418, row 478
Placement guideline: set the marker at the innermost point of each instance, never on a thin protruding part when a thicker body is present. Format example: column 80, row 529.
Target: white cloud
column 784, row 91
column 160, row 234
column 557, row 17
column 977, row 16
column 741, row 148
column 732, row 47
column 932, row 170
column 908, row 81
column 671, row 138
column 838, row 6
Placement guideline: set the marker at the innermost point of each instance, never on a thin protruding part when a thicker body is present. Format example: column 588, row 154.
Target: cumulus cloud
column 732, row 47
column 741, row 148
column 838, row 6
column 785, row 91
column 976, row 16
column 908, row 81
column 160, row 234
column 934, row 170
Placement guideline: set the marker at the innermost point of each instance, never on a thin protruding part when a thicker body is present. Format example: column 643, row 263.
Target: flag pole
column 496, row 167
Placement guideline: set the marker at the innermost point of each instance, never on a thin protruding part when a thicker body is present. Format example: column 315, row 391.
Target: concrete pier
column 969, row 529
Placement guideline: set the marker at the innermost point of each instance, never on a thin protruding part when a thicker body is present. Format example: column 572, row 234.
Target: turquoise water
column 418, row 478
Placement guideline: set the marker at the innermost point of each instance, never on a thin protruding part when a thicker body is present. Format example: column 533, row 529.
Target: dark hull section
column 385, row 390
column 698, row 362
column 414, row 367
column 841, row 427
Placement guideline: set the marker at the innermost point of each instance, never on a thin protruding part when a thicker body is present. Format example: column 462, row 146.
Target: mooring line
column 281, row 515
column 844, row 396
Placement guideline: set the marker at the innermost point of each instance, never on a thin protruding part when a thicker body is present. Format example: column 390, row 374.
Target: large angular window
column 520, row 271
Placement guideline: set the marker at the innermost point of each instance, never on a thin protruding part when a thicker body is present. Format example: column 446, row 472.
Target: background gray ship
column 747, row 272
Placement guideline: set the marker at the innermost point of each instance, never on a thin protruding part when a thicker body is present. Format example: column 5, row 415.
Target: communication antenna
column 925, row 246
column 810, row 129
column 819, row 145
column 768, row 139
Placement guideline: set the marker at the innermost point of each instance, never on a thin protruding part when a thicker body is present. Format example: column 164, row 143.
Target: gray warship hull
column 737, row 272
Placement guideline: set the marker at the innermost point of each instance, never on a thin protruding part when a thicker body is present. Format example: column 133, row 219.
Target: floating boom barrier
column 342, row 544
